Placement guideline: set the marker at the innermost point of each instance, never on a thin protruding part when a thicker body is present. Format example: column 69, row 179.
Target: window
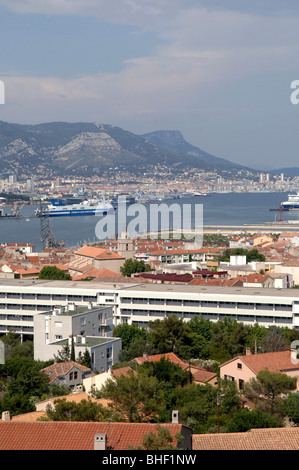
column 241, row 384
column 239, row 365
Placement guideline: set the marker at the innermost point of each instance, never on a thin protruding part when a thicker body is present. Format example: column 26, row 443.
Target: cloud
column 209, row 70
column 199, row 53
column 134, row 12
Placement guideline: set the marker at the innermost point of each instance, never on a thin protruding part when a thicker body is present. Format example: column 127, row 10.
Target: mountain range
column 92, row 148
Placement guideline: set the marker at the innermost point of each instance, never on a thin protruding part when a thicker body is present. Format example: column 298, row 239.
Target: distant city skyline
column 219, row 71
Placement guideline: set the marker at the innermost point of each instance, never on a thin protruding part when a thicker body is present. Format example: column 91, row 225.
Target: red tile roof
column 273, row 361
column 62, row 435
column 60, row 369
column 256, row 439
column 98, row 253
column 157, row 357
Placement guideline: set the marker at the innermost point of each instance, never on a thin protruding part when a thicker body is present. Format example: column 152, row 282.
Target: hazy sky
column 219, row 71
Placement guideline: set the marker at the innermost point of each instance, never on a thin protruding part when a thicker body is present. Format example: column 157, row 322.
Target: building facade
column 21, row 301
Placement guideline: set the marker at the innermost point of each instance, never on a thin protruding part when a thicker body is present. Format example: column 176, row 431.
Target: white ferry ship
column 58, row 208
column 292, row 203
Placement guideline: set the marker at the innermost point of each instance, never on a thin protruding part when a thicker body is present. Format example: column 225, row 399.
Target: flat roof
column 151, row 287
column 54, row 284
column 90, row 341
column 215, row 290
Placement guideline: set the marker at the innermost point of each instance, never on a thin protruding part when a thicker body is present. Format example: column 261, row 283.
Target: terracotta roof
column 122, row 371
column 28, row 417
column 96, row 274
column 61, row 368
column 157, row 357
column 202, row 375
column 256, row 439
column 255, row 277
column 98, row 253
column 273, row 361
column 67, row 435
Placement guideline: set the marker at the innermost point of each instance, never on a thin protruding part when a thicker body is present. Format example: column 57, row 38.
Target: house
column 99, row 380
column 258, row 280
column 77, row 436
column 255, row 439
column 95, row 257
column 289, row 267
column 67, row 373
column 241, row 369
column 201, row 376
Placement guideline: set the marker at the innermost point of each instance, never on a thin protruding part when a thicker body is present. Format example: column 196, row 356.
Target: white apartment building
column 148, row 302
column 22, row 300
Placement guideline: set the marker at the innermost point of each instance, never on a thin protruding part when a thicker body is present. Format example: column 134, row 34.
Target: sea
column 217, row 209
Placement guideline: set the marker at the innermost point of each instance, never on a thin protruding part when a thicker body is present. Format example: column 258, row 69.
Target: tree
column 251, row 255
column 85, row 410
column 197, row 405
column 161, row 440
column 134, row 266
column 266, row 390
column 274, row 340
column 128, row 334
column 52, row 272
column 291, row 407
column 64, row 354
column 137, row 348
column 243, row 420
column 171, row 334
column 136, row 397
column 84, row 358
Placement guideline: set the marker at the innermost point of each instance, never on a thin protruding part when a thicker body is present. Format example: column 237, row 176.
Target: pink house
column 243, row 368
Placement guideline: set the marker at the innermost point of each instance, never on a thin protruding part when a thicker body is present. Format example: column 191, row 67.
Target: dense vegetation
column 152, row 390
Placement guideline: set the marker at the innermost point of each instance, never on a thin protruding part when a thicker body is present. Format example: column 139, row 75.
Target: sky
column 219, row 71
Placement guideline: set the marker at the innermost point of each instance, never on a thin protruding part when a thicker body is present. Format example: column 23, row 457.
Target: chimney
column 6, row 416
column 175, row 417
column 248, row 352
column 100, row 441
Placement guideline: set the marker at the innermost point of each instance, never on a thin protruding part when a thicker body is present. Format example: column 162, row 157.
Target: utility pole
column 218, row 404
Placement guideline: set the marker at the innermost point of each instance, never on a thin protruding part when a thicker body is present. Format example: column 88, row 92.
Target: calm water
column 218, row 209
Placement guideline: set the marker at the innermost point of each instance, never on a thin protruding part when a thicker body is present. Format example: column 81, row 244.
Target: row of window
column 204, row 303
column 62, row 297
column 212, row 316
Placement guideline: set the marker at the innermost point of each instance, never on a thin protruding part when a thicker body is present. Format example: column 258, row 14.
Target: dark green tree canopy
column 52, row 272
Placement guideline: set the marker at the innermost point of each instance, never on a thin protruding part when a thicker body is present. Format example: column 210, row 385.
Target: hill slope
column 90, row 148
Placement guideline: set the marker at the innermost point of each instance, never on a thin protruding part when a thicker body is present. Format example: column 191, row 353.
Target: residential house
column 68, row 373
column 242, row 369
column 257, row 280
column 99, row 380
column 290, row 267
column 95, row 257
